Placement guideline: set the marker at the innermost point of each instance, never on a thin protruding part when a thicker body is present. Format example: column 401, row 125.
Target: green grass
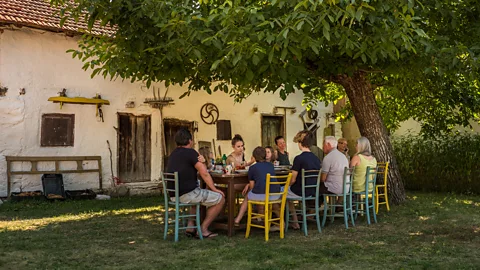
column 430, row 231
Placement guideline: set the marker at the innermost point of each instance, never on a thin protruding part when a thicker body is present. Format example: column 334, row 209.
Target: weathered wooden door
column 134, row 147
column 171, row 126
column 272, row 126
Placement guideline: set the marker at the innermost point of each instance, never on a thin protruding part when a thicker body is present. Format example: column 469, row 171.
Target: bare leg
column 243, row 209
column 212, row 213
column 276, row 209
column 191, row 222
column 293, row 213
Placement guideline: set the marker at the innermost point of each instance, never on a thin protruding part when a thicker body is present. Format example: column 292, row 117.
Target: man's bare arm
column 294, row 177
column 323, row 177
column 202, row 170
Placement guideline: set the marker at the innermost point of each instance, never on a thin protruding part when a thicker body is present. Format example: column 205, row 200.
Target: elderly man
column 334, row 164
column 281, row 153
column 187, row 163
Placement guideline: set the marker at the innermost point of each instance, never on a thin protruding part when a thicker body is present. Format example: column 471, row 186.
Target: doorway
column 170, row 128
column 134, row 147
column 272, row 126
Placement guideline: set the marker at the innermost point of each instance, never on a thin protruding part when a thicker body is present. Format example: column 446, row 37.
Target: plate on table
column 241, row 171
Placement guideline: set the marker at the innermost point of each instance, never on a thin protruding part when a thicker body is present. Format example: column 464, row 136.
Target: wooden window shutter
column 57, row 130
column 224, row 130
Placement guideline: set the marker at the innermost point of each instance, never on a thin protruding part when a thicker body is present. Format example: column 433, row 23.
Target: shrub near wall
column 447, row 164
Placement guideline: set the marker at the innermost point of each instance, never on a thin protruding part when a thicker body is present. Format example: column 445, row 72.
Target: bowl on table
column 241, row 171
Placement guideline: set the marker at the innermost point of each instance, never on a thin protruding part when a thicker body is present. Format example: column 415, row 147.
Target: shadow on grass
column 128, row 234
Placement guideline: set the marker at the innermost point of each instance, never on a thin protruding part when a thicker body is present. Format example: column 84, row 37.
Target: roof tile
column 39, row 14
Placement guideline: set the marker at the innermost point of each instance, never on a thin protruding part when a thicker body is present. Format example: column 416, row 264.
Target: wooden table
column 229, row 180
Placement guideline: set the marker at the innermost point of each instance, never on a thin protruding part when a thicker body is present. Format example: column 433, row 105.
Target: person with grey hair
column 334, row 164
column 361, row 160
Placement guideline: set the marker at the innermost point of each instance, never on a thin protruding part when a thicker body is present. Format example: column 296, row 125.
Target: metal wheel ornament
column 209, row 113
column 313, row 114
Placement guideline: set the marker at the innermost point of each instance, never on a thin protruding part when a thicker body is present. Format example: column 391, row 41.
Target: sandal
column 210, row 235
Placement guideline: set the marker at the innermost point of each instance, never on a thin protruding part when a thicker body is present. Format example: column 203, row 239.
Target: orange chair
column 381, row 188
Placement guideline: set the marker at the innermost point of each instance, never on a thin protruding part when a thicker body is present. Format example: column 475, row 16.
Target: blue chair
column 181, row 209
column 304, row 208
column 367, row 197
column 331, row 204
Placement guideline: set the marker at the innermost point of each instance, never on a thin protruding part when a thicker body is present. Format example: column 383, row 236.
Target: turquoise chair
column 367, row 197
column 304, row 209
column 331, row 204
column 181, row 209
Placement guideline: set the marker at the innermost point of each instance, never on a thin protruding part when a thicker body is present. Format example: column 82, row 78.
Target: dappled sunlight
column 476, row 229
column 468, row 202
column 423, row 218
column 415, row 233
column 35, row 224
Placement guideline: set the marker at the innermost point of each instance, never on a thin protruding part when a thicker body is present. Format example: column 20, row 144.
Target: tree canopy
column 394, row 59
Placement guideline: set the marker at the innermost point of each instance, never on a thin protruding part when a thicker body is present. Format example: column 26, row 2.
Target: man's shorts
column 291, row 195
column 203, row 196
column 261, row 197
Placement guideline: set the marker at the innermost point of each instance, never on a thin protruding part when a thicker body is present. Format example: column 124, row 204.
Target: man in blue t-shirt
column 186, row 162
column 307, row 161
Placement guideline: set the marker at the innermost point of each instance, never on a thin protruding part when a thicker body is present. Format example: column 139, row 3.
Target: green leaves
column 299, row 44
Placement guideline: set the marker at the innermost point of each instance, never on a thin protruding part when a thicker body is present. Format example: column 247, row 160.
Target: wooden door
column 272, row 126
column 170, row 127
column 134, row 147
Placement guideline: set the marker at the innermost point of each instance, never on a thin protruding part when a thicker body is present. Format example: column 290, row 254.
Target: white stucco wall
column 36, row 60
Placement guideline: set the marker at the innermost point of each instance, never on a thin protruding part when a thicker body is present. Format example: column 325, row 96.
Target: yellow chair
column 381, row 188
column 284, row 181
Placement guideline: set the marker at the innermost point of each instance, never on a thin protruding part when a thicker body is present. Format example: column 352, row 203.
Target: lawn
column 440, row 231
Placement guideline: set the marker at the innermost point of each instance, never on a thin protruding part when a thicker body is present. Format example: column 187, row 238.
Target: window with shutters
column 224, row 130
column 57, row 130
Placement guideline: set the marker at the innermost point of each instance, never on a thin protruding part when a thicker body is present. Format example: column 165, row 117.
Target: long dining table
column 229, row 181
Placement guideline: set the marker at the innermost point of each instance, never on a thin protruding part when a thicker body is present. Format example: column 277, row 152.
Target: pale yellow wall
column 37, row 61
column 243, row 119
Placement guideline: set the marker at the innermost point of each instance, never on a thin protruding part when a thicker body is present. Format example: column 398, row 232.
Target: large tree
column 370, row 49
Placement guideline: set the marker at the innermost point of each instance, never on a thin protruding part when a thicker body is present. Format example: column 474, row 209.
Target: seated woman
column 237, row 157
column 308, row 161
column 207, row 154
column 270, row 154
column 257, row 176
column 361, row 160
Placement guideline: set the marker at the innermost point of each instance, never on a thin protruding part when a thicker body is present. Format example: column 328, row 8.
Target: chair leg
column 351, row 211
column 166, row 223
column 287, row 216
column 304, row 217
column 386, row 199
column 199, row 228
column 374, row 212
column 177, row 221
column 345, row 211
column 332, row 217
column 317, row 216
column 249, row 220
column 377, row 198
column 267, row 221
column 282, row 222
column 325, row 210
column 367, row 209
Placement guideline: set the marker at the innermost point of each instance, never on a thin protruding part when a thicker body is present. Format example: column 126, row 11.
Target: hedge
column 446, row 164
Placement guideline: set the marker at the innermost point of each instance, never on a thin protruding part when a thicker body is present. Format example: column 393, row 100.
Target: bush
column 447, row 164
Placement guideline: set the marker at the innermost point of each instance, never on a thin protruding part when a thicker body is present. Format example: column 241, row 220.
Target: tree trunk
column 370, row 123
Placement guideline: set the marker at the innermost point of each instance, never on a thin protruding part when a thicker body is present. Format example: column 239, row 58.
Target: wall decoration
column 209, row 113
